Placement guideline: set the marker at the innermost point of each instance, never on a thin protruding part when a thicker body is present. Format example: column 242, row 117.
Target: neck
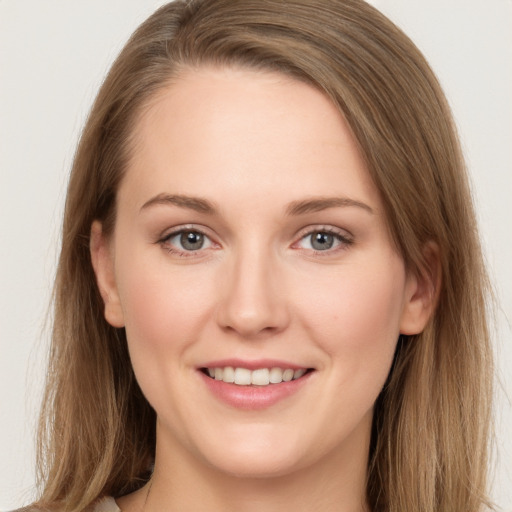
column 181, row 481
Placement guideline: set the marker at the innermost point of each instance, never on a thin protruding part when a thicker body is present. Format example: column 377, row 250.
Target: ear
column 102, row 257
column 422, row 292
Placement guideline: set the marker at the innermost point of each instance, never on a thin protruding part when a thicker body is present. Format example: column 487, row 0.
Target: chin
column 261, row 467
column 258, row 457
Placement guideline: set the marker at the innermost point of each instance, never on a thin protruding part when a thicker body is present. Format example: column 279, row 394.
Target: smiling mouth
column 258, row 377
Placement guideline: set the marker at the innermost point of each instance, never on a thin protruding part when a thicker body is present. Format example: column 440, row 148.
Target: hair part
column 431, row 421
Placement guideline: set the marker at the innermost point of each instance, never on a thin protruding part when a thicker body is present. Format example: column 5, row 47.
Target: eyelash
column 344, row 241
column 165, row 241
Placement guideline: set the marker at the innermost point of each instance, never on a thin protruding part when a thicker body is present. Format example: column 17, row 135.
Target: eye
column 323, row 240
column 186, row 240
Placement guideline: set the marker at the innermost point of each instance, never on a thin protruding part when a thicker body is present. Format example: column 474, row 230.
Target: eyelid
column 345, row 237
column 163, row 240
column 168, row 232
column 324, row 228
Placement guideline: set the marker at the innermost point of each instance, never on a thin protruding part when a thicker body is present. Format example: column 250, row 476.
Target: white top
column 107, row 505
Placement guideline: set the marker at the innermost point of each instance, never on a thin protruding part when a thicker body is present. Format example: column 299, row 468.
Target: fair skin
column 250, row 235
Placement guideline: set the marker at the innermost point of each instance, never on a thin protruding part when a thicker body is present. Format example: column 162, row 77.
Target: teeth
column 229, row 374
column 275, row 375
column 288, row 375
column 242, row 376
column 297, row 374
column 259, row 377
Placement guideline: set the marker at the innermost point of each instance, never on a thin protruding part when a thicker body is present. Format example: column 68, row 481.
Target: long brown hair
column 431, row 423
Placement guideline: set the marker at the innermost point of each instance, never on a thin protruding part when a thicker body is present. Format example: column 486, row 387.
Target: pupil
column 191, row 240
column 322, row 241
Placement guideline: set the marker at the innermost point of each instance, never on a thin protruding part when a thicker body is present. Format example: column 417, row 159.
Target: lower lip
column 253, row 397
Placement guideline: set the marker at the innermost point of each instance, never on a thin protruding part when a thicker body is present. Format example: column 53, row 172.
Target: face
column 253, row 270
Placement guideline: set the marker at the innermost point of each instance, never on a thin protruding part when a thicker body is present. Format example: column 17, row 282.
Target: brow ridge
column 313, row 205
column 299, row 207
column 193, row 203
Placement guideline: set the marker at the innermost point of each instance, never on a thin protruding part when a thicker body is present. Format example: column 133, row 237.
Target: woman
column 270, row 293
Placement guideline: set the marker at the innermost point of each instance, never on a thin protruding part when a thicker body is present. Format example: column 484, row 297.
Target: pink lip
column 252, row 397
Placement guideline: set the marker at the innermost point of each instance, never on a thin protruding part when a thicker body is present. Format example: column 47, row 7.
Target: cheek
column 165, row 310
column 355, row 315
column 164, row 307
column 354, row 318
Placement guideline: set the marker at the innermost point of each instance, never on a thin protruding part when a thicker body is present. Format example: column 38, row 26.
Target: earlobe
column 103, row 265
column 422, row 292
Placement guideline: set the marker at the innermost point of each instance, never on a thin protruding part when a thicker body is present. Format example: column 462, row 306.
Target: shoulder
column 106, row 504
column 29, row 508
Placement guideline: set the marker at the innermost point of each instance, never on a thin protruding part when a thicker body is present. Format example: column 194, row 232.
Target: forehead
column 246, row 130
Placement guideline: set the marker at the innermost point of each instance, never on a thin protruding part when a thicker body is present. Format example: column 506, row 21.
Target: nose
column 252, row 297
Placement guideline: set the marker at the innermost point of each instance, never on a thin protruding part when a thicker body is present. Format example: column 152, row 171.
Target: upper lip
column 254, row 364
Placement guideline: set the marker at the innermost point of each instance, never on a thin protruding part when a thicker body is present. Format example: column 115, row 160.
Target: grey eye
column 321, row 241
column 191, row 240
column 186, row 242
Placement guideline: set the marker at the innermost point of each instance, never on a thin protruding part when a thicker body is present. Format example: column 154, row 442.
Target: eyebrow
column 323, row 203
column 193, row 203
column 300, row 207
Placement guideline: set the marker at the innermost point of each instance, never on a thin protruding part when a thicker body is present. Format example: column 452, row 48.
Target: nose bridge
column 252, row 300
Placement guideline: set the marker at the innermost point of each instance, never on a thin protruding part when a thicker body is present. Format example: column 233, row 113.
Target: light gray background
column 53, row 55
